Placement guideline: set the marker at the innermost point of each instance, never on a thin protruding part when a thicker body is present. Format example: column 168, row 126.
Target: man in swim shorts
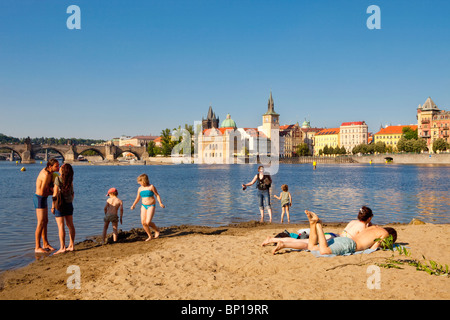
column 342, row 245
column 44, row 188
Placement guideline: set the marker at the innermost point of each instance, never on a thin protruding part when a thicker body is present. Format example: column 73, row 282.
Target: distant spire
column 270, row 107
column 210, row 113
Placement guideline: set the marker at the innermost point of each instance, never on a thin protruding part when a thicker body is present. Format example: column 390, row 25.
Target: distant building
column 271, row 120
column 211, row 120
column 326, row 137
column 136, row 141
column 432, row 123
column 353, row 134
column 290, row 137
column 390, row 135
column 308, row 134
column 230, row 144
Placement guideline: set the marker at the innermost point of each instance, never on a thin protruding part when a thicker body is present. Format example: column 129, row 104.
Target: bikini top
column 146, row 193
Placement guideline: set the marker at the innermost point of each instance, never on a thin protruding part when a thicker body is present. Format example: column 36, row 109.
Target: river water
column 211, row 195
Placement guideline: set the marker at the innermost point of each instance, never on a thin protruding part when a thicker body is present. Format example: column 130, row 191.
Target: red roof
column 328, row 131
column 395, row 129
column 287, row 126
column 354, row 123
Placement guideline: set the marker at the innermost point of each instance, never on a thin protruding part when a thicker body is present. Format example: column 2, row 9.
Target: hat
column 111, row 190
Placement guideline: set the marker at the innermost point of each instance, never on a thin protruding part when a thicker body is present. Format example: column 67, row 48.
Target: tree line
column 170, row 139
column 53, row 141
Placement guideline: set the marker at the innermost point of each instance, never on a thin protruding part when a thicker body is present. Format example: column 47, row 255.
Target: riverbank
column 193, row 262
column 394, row 158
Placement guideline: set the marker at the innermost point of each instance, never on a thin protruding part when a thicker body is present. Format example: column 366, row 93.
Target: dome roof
column 228, row 123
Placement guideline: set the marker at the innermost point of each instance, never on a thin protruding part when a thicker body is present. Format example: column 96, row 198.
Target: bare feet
column 62, row 250
column 148, row 239
column 40, row 250
column 49, row 248
column 279, row 246
column 266, row 242
column 312, row 217
column 156, row 234
column 69, row 248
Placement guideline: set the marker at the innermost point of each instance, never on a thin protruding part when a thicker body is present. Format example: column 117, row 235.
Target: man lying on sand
column 340, row 245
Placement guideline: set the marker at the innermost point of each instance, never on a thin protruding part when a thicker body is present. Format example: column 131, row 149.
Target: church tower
column 211, row 120
column 270, row 118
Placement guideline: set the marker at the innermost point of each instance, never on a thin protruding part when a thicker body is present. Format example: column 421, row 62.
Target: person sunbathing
column 364, row 239
column 369, row 238
column 356, row 226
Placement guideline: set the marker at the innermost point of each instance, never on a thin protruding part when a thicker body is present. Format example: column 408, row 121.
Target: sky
column 138, row 67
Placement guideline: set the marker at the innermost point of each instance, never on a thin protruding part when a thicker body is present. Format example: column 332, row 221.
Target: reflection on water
column 212, row 195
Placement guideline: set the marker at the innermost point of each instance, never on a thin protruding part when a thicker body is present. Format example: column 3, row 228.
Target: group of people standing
column 359, row 234
column 57, row 182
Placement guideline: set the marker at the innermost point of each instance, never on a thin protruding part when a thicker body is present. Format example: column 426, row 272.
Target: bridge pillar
column 70, row 156
column 145, row 155
column 26, row 155
column 110, row 152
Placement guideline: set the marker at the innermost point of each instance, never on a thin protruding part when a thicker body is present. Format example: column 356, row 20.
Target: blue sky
column 138, row 67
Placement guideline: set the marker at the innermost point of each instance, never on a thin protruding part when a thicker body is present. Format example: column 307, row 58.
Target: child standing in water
column 147, row 193
column 113, row 204
column 286, row 201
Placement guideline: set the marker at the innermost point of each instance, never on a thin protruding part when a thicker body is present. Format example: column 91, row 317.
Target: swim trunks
column 111, row 218
column 342, row 245
column 40, row 202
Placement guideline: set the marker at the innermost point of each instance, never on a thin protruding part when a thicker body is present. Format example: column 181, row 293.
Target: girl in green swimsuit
column 147, row 193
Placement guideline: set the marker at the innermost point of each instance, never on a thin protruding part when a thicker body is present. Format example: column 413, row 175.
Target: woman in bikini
column 147, row 193
column 356, row 226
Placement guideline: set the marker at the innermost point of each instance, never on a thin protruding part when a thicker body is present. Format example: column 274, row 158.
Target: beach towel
column 317, row 254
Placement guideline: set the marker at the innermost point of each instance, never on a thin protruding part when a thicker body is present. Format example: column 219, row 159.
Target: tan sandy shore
column 189, row 262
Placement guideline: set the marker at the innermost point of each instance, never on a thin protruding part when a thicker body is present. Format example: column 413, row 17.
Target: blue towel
column 317, row 254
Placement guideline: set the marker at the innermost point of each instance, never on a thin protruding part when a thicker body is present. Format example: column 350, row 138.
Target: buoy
column 23, row 169
column 314, row 164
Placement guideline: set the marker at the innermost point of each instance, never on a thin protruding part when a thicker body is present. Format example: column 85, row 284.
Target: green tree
column 152, row 149
column 420, row 145
column 440, row 145
column 380, row 147
column 303, row 150
column 166, row 142
column 409, row 133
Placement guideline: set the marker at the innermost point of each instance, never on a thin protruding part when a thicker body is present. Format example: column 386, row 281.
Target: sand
column 202, row 263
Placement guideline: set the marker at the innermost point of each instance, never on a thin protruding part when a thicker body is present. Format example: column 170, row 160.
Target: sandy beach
column 203, row 263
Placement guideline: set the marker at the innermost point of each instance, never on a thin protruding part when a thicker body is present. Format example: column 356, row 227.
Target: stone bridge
column 27, row 152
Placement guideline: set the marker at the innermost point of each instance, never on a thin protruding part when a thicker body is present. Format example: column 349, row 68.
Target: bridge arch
column 14, row 151
column 119, row 152
column 97, row 151
column 43, row 148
